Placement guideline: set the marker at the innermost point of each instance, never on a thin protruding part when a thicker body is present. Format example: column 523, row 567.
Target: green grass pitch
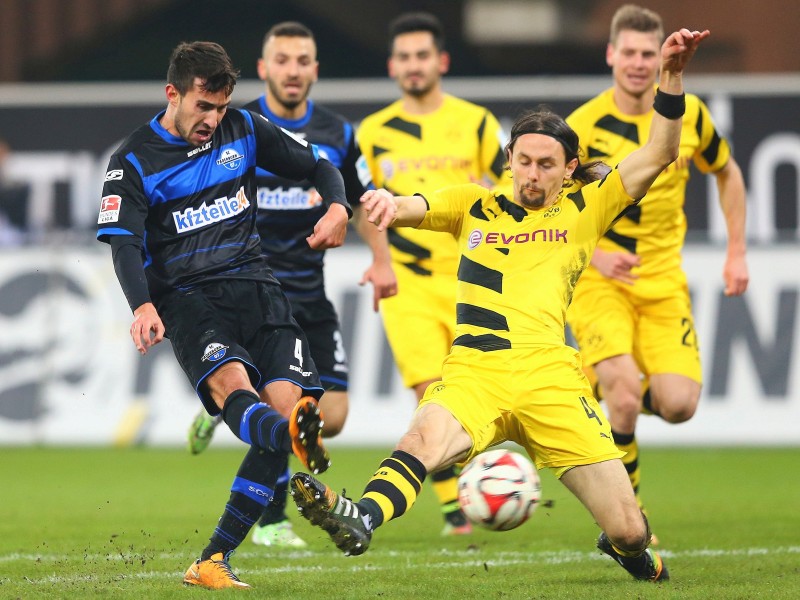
column 126, row 523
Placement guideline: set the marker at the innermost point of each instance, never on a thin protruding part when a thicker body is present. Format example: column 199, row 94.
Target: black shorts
column 318, row 319
column 247, row 321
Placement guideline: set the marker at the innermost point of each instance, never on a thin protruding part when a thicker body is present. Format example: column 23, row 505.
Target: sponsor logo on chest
column 204, row 215
column 499, row 238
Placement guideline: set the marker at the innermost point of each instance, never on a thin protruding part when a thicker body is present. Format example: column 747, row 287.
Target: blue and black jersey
column 194, row 208
column 288, row 210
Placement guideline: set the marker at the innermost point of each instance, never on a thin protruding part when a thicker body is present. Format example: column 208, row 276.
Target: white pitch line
column 450, row 560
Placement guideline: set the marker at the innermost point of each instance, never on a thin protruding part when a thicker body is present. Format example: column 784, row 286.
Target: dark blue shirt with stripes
column 194, row 208
column 288, row 210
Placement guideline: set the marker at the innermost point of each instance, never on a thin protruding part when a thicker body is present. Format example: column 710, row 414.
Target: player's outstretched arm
column 385, row 210
column 640, row 168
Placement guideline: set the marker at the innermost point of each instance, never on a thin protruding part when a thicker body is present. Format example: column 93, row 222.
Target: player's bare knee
column 678, row 414
column 678, row 409
column 631, row 532
column 332, row 427
column 628, row 404
column 624, row 409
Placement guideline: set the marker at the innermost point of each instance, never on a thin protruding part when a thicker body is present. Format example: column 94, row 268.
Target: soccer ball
column 499, row 490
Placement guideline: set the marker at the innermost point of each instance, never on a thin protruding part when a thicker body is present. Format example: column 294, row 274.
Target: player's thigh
column 436, row 437
column 419, row 324
column 602, row 319
column 555, row 415
column 203, row 328
column 278, row 346
column 474, row 390
column 667, row 340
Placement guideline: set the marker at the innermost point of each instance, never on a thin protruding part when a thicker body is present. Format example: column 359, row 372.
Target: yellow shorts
column 536, row 397
column 609, row 319
column 420, row 323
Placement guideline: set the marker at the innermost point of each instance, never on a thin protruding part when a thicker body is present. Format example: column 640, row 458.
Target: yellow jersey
column 518, row 267
column 656, row 228
column 407, row 154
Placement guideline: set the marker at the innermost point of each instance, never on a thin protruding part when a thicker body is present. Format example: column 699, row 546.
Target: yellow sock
column 445, row 486
column 395, row 486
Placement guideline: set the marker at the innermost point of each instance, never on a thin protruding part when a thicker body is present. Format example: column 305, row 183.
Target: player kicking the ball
column 509, row 374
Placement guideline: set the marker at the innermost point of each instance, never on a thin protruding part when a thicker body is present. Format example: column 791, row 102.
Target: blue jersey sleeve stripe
column 348, row 134
column 248, row 116
column 250, row 140
column 131, row 158
column 104, row 233
column 148, row 257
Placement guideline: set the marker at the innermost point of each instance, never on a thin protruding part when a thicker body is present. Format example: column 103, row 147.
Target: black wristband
column 670, row 106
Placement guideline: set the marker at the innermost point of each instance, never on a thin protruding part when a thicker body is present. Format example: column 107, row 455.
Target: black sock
column 252, row 490
column 647, row 402
column 255, row 422
column 275, row 511
column 626, row 442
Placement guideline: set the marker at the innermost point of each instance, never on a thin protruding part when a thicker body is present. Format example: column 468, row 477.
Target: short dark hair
column 630, row 17
column 417, row 21
column 206, row 60
column 544, row 121
column 288, row 29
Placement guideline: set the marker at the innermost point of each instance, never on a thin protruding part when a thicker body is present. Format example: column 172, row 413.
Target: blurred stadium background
column 76, row 77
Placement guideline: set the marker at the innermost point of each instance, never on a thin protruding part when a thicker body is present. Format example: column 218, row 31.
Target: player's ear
column 444, row 62
column 571, row 166
column 610, row 54
column 261, row 67
column 173, row 95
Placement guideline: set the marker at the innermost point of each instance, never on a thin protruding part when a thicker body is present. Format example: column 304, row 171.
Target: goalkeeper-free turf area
column 126, row 523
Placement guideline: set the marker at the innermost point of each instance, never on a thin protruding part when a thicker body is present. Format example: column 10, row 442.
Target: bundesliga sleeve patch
column 109, row 209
